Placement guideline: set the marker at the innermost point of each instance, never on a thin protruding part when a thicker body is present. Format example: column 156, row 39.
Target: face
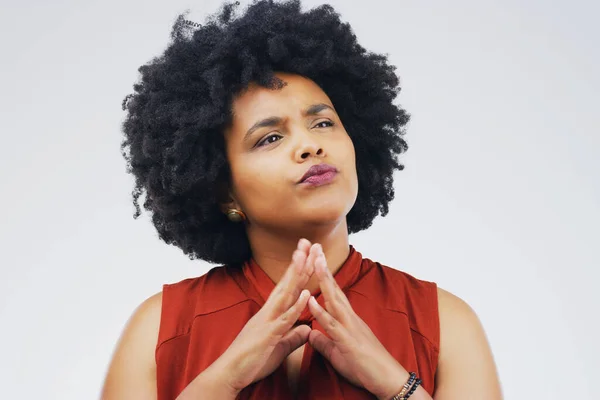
column 274, row 138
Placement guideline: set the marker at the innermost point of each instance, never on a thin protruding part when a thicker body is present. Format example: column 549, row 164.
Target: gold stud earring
column 235, row 215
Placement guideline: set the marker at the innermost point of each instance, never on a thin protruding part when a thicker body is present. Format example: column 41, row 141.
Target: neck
column 273, row 250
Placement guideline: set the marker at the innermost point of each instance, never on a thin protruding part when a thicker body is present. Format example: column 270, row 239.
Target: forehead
column 257, row 101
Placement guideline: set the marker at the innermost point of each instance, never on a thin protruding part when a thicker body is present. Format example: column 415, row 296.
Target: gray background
column 499, row 202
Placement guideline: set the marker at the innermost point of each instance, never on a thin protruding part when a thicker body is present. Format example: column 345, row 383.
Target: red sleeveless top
column 201, row 316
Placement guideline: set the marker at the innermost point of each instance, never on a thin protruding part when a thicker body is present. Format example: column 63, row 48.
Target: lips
column 319, row 169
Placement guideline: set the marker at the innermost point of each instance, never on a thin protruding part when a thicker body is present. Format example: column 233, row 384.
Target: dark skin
column 267, row 165
column 280, row 212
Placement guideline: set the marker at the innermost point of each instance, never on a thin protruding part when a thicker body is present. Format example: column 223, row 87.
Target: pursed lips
column 319, row 173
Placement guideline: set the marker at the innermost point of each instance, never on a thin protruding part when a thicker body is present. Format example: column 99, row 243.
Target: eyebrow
column 313, row 109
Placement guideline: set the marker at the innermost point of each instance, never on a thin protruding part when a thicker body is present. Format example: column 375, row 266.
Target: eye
column 330, row 124
column 268, row 140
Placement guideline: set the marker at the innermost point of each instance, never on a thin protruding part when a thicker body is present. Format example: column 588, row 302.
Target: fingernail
column 296, row 256
column 321, row 260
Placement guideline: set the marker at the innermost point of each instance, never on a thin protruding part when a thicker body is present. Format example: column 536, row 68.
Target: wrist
column 395, row 381
column 216, row 380
column 218, row 375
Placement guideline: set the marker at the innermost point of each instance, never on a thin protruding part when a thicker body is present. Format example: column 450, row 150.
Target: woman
column 262, row 141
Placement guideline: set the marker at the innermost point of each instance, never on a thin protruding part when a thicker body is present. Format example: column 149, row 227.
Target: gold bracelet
column 407, row 385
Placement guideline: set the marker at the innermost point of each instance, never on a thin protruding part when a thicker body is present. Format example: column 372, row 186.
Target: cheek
column 350, row 167
column 349, row 157
column 257, row 184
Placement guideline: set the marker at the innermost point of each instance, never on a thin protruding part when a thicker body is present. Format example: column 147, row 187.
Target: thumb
column 321, row 343
column 294, row 339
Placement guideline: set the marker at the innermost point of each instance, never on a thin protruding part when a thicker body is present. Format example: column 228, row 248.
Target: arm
column 210, row 384
column 132, row 370
column 466, row 368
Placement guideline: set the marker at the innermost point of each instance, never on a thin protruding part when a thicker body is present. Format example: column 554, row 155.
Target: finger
column 312, row 256
column 287, row 290
column 289, row 318
column 331, row 325
column 294, row 339
column 336, row 302
column 328, row 275
column 304, row 245
column 294, row 280
column 298, row 264
column 340, row 292
column 321, row 343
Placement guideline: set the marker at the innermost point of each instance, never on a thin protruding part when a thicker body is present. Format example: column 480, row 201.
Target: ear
column 226, row 206
column 226, row 199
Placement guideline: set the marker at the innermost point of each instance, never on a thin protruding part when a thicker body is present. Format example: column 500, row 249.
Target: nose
column 307, row 147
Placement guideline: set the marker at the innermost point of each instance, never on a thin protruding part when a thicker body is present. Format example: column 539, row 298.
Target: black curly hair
column 173, row 130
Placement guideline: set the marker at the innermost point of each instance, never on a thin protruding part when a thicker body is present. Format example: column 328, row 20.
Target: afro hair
column 173, row 131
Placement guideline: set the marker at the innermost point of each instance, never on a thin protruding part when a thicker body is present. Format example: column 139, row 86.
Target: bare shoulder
column 132, row 370
column 466, row 367
column 452, row 306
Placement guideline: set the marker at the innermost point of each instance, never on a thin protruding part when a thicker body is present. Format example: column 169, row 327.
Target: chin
column 329, row 205
column 324, row 215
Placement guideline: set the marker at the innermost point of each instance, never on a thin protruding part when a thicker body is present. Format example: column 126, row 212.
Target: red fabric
column 201, row 317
